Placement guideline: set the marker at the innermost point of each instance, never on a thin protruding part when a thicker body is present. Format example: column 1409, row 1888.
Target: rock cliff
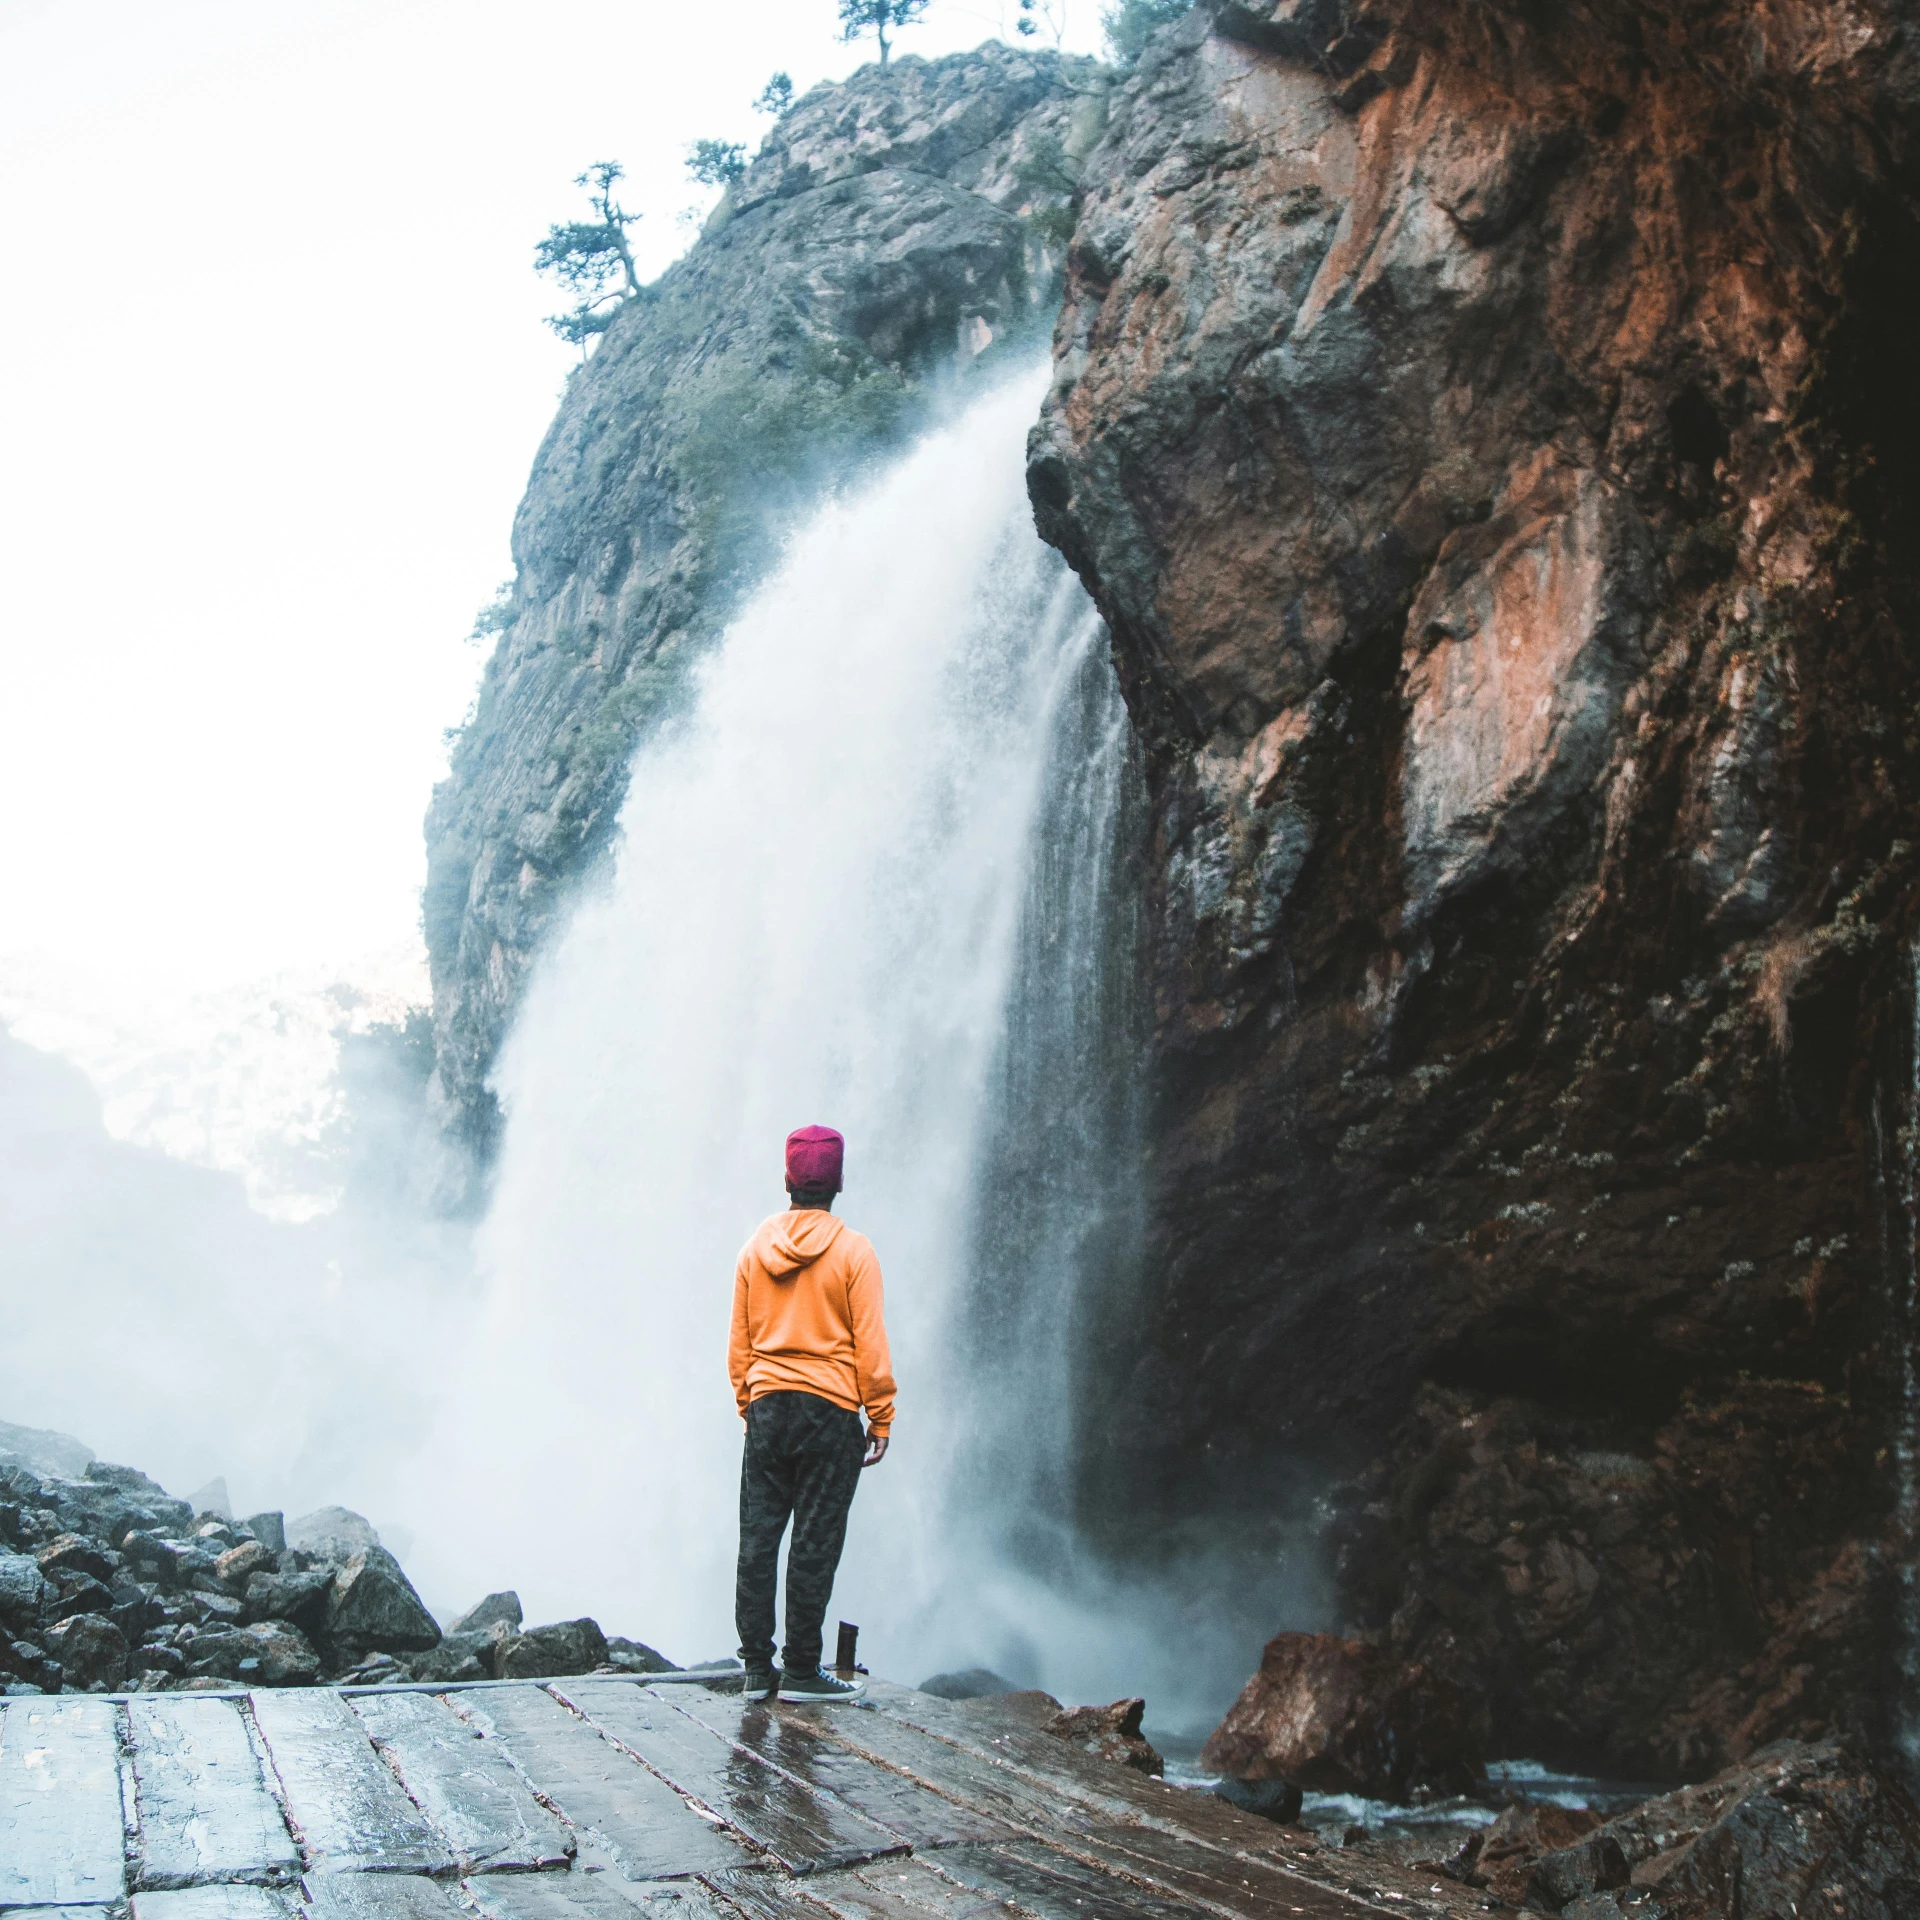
column 892, row 235
column 1490, row 432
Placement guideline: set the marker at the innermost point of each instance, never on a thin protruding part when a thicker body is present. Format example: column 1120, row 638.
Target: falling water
column 868, row 881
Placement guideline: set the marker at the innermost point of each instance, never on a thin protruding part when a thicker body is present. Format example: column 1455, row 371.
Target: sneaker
column 816, row 1686
column 760, row 1683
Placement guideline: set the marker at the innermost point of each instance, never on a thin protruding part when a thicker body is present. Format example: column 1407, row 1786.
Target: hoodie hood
column 790, row 1241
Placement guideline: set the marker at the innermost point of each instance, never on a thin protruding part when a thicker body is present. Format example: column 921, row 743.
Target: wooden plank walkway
column 616, row 1799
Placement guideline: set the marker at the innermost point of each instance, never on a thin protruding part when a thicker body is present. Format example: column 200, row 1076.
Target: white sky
column 272, row 371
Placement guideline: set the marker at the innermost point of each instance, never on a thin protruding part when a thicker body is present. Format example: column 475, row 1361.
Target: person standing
column 807, row 1353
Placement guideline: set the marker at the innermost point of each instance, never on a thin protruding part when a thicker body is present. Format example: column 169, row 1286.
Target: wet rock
column 300, row 1598
column 462, row 1656
column 1340, row 1716
column 30, row 1664
column 551, row 1652
column 283, row 1656
column 216, row 1608
column 22, row 1588
column 1277, row 1800
column 143, row 1497
column 1109, row 1733
column 969, row 1683
column 238, row 1564
column 373, row 1607
column 635, row 1656
column 1799, row 1828
column 270, row 1529
column 1417, row 430
column 158, row 1657
column 333, row 1533
column 152, row 1556
column 1502, row 1857
column 74, row 1553
column 79, row 1593
column 497, row 1609
column 374, row 1670
column 91, row 1650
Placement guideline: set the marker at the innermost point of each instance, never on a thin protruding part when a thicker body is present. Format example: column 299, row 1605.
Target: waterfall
column 868, row 879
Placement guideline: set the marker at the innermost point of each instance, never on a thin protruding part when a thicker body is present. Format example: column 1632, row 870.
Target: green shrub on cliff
column 1130, row 24
column 879, row 18
column 755, row 448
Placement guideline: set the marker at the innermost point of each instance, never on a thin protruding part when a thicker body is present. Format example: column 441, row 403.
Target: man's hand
column 876, row 1448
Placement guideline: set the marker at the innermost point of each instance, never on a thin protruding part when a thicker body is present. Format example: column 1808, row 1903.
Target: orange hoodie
column 807, row 1316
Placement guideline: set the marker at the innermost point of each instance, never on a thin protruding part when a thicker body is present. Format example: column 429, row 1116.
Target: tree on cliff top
column 591, row 258
column 717, row 163
column 1130, row 24
column 879, row 18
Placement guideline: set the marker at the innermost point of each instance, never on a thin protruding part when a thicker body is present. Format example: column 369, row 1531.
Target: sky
column 272, row 373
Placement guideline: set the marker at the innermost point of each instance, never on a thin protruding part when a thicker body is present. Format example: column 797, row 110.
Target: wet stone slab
column 202, row 1807
column 608, row 1799
column 62, row 1840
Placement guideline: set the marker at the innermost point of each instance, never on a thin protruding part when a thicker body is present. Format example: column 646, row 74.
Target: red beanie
column 814, row 1156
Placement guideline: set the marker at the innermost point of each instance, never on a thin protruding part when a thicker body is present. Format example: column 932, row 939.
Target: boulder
column 141, row 1494
column 284, row 1654
column 74, row 1553
column 238, row 1564
column 1028, row 1705
column 1340, row 1716
column 1798, row 1828
column 80, row 1593
column 373, row 1608
column 30, row 1664
column 968, row 1683
column 334, row 1533
column 298, row 1597
column 22, row 1589
column 1502, row 1857
column 91, row 1650
column 462, row 1656
column 1109, row 1733
column 150, row 1556
column 270, row 1529
column 550, row 1652
column 635, row 1656
column 497, row 1609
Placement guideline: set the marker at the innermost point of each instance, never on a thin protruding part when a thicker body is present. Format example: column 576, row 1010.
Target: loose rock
column 92, row 1652
column 497, row 1609
column 334, row 1533
column 550, row 1652
column 373, row 1607
column 1109, row 1733
column 969, row 1683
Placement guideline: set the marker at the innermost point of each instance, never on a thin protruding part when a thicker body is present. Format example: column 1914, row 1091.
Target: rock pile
column 1797, row 1828
column 107, row 1582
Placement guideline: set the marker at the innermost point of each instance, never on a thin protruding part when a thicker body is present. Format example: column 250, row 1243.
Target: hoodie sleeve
column 739, row 1346
column 873, row 1365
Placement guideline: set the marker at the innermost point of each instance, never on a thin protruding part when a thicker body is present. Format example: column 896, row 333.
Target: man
column 809, row 1350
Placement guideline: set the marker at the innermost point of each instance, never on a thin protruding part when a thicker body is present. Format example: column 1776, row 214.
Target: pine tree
column 879, row 18
column 717, row 163
column 591, row 258
column 776, row 96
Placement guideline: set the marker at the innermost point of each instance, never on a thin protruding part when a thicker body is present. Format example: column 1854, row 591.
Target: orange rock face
column 1492, row 434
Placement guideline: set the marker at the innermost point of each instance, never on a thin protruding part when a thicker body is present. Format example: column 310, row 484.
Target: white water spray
column 816, row 915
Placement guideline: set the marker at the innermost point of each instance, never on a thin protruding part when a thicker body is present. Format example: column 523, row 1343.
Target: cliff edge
column 1490, row 434
column 894, row 234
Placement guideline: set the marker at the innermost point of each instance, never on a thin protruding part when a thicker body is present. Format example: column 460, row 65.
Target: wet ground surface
column 608, row 1797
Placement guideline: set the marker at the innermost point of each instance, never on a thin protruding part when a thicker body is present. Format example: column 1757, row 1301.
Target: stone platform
column 612, row 1798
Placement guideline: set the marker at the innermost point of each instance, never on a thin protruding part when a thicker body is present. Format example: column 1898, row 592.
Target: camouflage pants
column 802, row 1462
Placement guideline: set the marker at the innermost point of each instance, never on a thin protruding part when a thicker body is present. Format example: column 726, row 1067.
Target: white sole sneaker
column 818, row 1695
